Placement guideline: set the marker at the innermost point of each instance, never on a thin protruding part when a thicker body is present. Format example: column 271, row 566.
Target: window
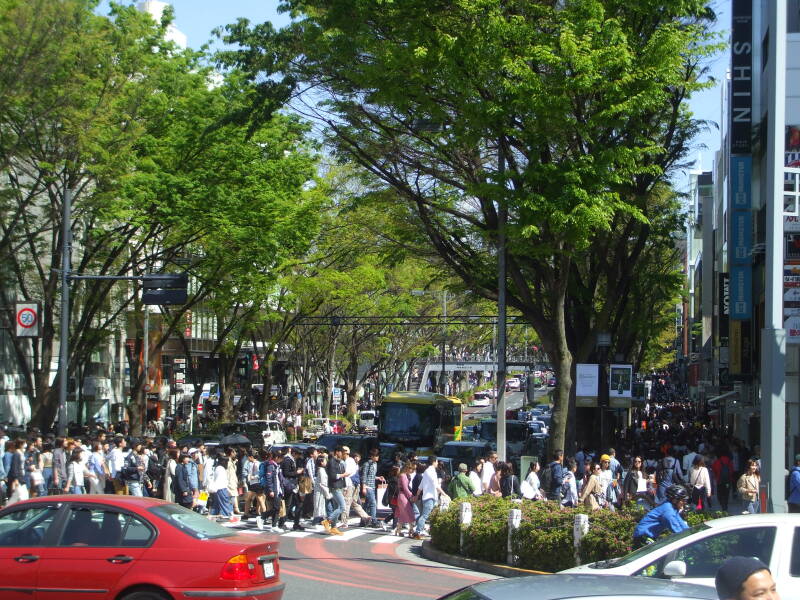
column 26, row 527
column 793, row 16
column 794, row 566
column 102, row 527
column 704, row 557
column 190, row 522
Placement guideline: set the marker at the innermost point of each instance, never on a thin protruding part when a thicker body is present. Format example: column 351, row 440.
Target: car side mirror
column 675, row 568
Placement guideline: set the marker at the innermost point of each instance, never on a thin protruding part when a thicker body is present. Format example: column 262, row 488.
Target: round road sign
column 26, row 318
column 147, row 387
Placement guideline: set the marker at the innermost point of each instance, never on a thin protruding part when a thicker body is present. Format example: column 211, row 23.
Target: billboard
column 620, row 382
column 587, row 380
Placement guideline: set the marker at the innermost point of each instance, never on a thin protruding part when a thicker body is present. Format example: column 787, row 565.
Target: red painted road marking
column 356, row 585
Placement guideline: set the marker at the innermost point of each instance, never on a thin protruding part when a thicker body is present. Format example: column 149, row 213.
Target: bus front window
column 407, row 421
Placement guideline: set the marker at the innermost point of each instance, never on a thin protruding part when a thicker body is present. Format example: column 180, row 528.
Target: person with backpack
column 668, row 473
column 551, row 479
column 722, row 468
column 460, row 485
column 271, row 481
column 793, row 488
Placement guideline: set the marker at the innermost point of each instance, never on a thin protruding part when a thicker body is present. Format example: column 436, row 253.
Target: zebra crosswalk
column 353, row 532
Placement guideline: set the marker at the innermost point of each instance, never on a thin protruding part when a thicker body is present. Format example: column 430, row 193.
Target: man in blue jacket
column 664, row 516
column 794, row 486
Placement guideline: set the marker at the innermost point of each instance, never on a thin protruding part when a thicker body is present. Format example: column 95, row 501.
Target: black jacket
column 335, row 468
column 183, row 489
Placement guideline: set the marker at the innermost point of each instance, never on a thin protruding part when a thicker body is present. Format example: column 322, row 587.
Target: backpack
column 391, row 493
column 665, row 474
column 155, row 470
column 546, row 479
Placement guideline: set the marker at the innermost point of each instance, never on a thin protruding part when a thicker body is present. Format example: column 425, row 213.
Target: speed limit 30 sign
column 27, row 320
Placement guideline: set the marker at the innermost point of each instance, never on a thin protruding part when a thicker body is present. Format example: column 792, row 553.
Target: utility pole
column 773, row 336
column 501, row 310
column 63, row 354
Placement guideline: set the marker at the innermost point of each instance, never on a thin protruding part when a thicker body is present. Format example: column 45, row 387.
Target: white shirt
column 115, row 460
column 686, row 463
column 208, row 472
column 350, row 466
column 476, row 481
column 429, row 484
column 486, row 475
column 220, row 479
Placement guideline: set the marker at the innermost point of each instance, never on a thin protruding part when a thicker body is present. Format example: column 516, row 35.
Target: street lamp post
column 443, row 377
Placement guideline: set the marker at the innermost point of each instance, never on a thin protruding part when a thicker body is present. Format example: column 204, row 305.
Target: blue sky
column 196, row 18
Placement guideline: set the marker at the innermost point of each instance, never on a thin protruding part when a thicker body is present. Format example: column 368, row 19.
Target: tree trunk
column 562, row 359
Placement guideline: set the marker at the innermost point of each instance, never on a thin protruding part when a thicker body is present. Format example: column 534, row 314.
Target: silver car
column 576, row 587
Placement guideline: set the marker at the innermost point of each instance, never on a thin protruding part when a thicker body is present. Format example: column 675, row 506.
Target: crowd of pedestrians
column 281, row 489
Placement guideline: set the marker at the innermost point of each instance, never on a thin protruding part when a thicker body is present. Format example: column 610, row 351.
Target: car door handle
column 26, row 558
column 119, row 559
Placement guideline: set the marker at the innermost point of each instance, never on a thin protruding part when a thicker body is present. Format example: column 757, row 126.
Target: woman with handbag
column 404, row 500
column 77, row 473
column 700, row 483
column 592, row 493
column 634, row 486
column 322, row 494
column 748, row 486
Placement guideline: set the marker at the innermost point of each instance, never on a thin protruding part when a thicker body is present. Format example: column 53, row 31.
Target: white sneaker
column 277, row 530
column 260, row 523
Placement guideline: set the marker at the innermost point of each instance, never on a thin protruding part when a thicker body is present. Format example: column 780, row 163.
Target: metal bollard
column 465, row 517
column 514, row 519
column 579, row 529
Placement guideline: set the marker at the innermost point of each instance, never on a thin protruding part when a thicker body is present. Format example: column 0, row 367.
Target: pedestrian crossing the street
column 353, row 532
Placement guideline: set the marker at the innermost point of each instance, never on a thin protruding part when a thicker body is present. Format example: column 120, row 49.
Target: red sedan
column 128, row 548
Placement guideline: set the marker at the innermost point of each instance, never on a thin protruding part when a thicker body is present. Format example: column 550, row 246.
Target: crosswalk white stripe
column 386, row 539
column 298, row 534
column 348, row 535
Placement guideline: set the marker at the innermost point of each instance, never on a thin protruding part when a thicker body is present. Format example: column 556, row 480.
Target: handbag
column 304, row 485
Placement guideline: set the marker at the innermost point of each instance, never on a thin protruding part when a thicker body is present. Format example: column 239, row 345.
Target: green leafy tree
column 565, row 115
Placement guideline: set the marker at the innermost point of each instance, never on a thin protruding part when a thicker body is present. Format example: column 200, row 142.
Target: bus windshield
column 402, row 422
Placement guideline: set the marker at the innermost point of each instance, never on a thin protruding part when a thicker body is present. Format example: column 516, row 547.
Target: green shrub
column 488, row 534
column 444, row 528
column 544, row 539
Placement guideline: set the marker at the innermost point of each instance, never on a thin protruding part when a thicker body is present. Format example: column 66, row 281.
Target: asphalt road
column 363, row 564
column 513, row 400
column 364, row 569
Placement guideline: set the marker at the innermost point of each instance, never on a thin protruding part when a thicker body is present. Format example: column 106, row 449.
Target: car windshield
column 190, row 522
column 645, row 550
column 515, row 432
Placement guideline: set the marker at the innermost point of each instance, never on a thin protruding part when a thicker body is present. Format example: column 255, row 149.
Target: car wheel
column 145, row 595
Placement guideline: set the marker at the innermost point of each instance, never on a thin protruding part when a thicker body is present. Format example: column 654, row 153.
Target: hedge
column 544, row 540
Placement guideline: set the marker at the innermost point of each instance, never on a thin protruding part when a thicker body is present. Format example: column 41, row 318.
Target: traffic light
column 164, row 288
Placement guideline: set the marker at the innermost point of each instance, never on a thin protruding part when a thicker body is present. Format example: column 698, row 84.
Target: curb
column 428, row 551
